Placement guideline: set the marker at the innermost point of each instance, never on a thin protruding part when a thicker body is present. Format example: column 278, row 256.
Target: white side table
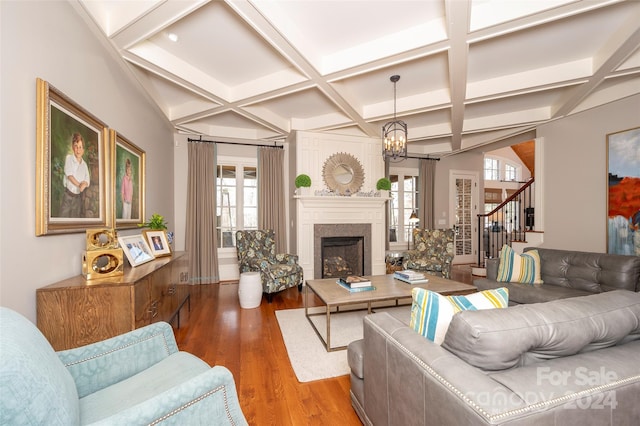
column 250, row 290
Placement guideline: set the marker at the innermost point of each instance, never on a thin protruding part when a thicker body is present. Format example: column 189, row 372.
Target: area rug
column 307, row 353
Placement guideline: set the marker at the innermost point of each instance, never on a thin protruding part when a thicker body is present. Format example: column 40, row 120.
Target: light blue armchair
column 137, row 378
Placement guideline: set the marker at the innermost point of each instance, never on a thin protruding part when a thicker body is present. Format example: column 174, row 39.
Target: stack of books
column 410, row 277
column 355, row 283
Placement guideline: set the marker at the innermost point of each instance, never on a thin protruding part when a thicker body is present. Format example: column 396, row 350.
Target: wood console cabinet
column 76, row 312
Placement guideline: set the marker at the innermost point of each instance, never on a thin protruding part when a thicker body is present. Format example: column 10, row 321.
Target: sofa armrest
column 101, row 364
column 492, row 266
column 210, row 398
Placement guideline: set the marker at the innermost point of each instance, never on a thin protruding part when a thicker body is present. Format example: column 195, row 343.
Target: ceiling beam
column 253, row 17
column 611, row 56
column 457, row 15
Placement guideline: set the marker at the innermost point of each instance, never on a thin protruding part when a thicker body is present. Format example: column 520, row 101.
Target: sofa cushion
column 527, row 293
column 431, row 312
column 525, row 334
column 518, row 268
column 166, row 375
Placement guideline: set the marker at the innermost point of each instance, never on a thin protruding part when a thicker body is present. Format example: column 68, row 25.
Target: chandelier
column 394, row 133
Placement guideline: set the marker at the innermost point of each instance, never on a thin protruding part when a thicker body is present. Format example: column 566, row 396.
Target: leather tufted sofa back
column 592, row 272
column 499, row 339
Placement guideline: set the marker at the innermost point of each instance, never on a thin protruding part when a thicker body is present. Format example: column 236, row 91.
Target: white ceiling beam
column 254, row 18
column 620, row 47
column 457, row 15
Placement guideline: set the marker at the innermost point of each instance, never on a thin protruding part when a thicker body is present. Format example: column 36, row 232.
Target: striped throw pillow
column 431, row 313
column 519, row 268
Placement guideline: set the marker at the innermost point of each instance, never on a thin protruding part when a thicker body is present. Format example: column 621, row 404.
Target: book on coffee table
column 411, row 277
column 355, row 289
column 354, row 281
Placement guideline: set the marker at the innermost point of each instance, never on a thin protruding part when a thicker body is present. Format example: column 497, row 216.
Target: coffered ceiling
column 472, row 72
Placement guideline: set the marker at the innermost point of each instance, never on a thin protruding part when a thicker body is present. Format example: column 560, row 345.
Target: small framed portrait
column 158, row 242
column 136, row 249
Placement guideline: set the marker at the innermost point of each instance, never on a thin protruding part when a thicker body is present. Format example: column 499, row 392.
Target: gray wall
column 575, row 169
column 48, row 39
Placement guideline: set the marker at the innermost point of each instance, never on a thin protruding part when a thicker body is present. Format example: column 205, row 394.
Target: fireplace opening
column 342, row 256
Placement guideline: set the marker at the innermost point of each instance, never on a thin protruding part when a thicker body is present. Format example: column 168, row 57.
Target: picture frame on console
column 71, row 173
column 623, row 192
column 128, row 163
column 136, row 249
column 158, row 242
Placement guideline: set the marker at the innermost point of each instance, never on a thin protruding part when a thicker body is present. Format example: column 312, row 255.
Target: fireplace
column 346, row 248
column 342, row 256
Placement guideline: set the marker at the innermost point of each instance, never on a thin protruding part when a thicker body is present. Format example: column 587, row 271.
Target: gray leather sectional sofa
column 568, row 273
column 573, row 361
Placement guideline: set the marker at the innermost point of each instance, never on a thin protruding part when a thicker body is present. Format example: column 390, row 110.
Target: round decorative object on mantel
column 343, row 173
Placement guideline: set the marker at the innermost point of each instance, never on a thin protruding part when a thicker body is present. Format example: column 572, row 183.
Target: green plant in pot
column 302, row 181
column 383, row 184
column 156, row 222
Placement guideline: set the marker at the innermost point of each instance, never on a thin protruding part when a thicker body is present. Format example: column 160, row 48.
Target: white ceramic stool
column 250, row 290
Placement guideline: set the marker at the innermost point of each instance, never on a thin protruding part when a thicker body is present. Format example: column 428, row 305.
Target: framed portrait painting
column 128, row 170
column 623, row 198
column 71, row 173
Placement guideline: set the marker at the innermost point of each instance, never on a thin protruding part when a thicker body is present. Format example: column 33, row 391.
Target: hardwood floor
column 248, row 342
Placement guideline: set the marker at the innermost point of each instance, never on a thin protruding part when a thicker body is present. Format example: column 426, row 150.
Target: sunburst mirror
column 343, row 173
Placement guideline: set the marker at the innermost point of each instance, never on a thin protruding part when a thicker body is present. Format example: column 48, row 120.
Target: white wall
column 575, row 157
column 48, row 39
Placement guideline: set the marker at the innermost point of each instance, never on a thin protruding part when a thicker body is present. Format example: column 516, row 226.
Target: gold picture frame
column 128, row 190
column 158, row 242
column 65, row 204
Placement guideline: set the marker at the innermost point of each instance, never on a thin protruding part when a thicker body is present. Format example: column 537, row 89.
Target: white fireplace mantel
column 315, row 201
column 312, row 210
column 311, row 151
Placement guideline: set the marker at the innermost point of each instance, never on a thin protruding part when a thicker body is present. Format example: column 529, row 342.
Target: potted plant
column 384, row 186
column 156, row 222
column 303, row 181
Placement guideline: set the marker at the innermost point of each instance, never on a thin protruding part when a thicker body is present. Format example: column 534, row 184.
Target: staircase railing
column 507, row 223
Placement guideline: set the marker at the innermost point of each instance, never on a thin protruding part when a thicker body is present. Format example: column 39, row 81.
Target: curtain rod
column 236, row 143
column 423, row 158
column 414, row 157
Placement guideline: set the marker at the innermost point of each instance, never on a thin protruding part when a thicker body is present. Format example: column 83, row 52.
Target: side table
column 250, row 290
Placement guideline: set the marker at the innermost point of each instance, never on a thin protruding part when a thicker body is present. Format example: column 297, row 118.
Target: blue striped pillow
column 431, row 313
column 516, row 268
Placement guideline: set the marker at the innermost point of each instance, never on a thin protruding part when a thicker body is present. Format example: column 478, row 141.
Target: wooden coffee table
column 388, row 289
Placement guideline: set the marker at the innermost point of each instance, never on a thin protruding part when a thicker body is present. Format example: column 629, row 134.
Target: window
column 236, row 199
column 509, row 172
column 491, row 169
column 404, row 201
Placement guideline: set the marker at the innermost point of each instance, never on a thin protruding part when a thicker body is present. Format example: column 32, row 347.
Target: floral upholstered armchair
column 257, row 252
column 433, row 252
